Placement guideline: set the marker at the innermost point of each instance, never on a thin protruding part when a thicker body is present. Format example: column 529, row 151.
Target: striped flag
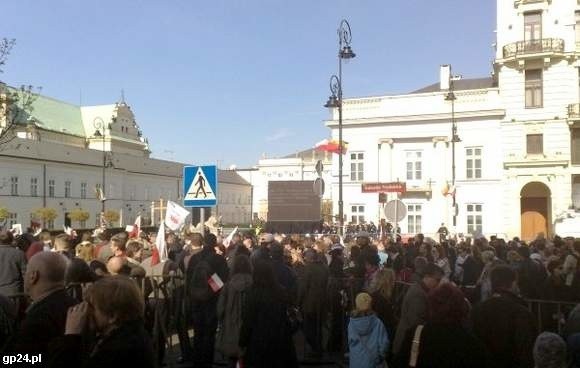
column 215, row 282
column 331, row 145
column 159, row 253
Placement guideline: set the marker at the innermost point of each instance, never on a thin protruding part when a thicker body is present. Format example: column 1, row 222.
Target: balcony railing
column 574, row 111
column 541, row 46
column 525, row 2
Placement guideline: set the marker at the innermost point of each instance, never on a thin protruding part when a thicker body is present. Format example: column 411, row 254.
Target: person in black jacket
column 265, row 335
column 444, row 341
column 312, row 299
column 45, row 317
column 114, row 306
column 201, row 267
column 504, row 323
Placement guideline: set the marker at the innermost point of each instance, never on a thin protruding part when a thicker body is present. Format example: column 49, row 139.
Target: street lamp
column 99, row 124
column 454, row 137
column 335, row 101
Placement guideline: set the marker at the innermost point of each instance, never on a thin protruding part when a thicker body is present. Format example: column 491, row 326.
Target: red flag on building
column 331, row 145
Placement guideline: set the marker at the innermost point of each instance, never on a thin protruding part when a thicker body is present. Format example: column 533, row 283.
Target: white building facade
column 517, row 161
column 57, row 162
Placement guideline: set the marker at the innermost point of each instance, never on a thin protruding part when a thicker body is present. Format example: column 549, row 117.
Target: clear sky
column 225, row 81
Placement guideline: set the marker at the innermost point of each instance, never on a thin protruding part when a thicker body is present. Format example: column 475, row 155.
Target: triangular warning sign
column 200, row 189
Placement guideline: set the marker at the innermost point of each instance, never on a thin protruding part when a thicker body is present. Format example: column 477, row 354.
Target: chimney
column 445, row 76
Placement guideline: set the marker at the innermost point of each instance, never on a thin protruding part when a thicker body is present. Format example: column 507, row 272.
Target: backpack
column 199, row 288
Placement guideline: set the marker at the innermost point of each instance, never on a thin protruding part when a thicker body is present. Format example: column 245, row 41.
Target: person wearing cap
column 262, row 251
column 368, row 340
column 414, row 307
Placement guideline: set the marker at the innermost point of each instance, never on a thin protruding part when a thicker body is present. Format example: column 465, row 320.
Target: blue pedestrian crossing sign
column 200, row 186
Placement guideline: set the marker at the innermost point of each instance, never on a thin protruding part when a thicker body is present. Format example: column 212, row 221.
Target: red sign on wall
column 395, row 187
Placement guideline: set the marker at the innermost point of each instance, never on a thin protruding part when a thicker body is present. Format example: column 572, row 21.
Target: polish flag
column 215, row 283
column 331, row 145
column 135, row 230
column 175, row 216
column 159, row 252
column 228, row 240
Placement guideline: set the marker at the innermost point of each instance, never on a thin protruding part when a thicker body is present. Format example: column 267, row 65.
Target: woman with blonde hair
column 114, row 309
column 85, row 250
column 382, row 294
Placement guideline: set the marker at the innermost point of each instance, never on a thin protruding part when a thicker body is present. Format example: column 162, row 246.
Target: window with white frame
column 357, row 214
column 14, row 185
column 51, row 185
column 534, row 88
column 414, row 218
column 474, row 218
column 473, row 162
column 357, row 166
column 83, row 190
column 34, row 187
column 12, row 219
column 414, row 164
column 67, row 186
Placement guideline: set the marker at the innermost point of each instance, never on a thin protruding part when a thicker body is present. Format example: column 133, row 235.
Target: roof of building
column 310, row 154
column 461, row 85
column 58, row 116
column 231, row 177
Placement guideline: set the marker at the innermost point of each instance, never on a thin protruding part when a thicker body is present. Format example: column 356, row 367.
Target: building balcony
column 544, row 47
column 573, row 114
column 517, row 3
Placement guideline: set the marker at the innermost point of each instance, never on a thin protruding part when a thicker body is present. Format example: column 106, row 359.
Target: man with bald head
column 46, row 316
column 118, row 266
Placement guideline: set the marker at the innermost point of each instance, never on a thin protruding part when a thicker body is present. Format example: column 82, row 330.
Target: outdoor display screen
column 293, row 201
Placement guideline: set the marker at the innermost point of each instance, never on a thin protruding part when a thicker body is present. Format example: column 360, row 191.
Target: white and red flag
column 215, row 282
column 175, row 216
column 134, row 230
column 159, row 252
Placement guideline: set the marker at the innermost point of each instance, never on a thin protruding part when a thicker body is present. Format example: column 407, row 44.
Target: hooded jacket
column 229, row 312
column 368, row 341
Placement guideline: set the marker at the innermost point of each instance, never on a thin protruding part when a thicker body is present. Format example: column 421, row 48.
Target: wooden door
column 534, row 217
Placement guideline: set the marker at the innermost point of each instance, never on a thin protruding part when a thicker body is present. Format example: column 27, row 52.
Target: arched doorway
column 535, row 214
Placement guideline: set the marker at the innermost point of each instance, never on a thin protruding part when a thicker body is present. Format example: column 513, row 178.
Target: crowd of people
column 100, row 299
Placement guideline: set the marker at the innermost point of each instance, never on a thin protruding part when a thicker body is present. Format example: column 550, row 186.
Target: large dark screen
column 292, row 201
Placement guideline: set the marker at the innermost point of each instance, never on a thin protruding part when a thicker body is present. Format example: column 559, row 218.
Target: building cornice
column 535, row 163
column 416, row 118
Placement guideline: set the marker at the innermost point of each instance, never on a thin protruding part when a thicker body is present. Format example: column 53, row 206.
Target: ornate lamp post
column 99, row 125
column 454, row 137
column 335, row 101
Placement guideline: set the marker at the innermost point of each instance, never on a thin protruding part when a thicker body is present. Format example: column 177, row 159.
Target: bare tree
column 5, row 48
column 15, row 103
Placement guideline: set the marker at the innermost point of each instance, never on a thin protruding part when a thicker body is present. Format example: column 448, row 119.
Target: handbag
column 415, row 347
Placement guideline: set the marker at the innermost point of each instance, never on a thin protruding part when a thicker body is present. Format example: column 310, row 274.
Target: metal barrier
column 550, row 315
column 164, row 300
